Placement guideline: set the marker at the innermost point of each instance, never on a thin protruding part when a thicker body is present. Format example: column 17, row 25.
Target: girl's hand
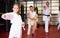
column 4, row 16
column 23, row 25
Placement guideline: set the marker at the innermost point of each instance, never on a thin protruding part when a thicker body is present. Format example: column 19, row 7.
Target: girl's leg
column 34, row 28
column 46, row 26
column 29, row 31
column 11, row 35
column 58, row 26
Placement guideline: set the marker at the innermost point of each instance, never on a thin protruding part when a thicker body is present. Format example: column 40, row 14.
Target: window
column 29, row 3
column 54, row 6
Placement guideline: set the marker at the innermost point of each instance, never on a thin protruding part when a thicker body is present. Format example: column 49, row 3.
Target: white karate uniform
column 46, row 18
column 31, row 22
column 16, row 27
column 58, row 20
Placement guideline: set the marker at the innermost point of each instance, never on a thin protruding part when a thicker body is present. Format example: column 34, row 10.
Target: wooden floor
column 39, row 33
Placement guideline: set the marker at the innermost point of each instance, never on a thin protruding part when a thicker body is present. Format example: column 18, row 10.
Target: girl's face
column 31, row 8
column 44, row 7
column 15, row 8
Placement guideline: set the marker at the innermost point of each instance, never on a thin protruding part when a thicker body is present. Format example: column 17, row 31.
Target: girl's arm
column 28, row 15
column 36, row 17
column 7, row 16
column 23, row 25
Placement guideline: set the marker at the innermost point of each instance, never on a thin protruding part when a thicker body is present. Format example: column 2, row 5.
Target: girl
column 46, row 16
column 15, row 19
column 32, row 20
column 59, row 19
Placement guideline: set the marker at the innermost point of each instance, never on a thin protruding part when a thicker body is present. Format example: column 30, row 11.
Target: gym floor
column 39, row 33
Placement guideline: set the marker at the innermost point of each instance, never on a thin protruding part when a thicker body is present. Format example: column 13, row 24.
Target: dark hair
column 30, row 6
column 59, row 8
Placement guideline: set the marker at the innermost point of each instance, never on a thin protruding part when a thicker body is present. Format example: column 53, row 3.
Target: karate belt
column 32, row 20
column 46, row 15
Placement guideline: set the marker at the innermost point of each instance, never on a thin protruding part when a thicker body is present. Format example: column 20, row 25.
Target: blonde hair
column 18, row 4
